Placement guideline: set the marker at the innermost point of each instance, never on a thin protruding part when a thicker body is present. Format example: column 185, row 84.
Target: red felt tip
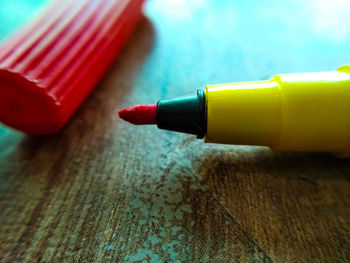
column 139, row 114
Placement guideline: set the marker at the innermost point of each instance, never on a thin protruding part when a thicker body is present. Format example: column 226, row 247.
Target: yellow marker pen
column 291, row 112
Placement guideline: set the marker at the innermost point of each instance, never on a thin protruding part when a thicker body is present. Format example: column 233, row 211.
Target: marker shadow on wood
column 242, row 159
column 292, row 204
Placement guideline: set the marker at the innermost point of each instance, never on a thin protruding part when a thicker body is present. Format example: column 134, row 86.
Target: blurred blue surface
column 252, row 40
column 14, row 13
column 276, row 36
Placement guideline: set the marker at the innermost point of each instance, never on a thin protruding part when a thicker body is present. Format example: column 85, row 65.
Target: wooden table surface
column 104, row 191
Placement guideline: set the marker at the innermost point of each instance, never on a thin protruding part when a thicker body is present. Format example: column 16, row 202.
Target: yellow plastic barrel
column 290, row 112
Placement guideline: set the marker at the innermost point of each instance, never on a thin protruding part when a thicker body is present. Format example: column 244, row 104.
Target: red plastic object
column 48, row 68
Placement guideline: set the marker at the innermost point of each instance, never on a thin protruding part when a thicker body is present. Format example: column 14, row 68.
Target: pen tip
column 139, row 114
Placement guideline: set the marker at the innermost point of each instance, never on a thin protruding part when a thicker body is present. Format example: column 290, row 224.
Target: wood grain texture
column 104, row 191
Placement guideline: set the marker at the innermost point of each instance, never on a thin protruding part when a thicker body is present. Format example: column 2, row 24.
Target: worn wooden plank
column 105, row 191
column 295, row 205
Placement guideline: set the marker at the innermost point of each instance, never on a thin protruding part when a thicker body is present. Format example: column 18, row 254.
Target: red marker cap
column 48, row 68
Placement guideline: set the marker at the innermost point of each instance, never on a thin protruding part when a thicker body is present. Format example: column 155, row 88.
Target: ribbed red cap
column 49, row 67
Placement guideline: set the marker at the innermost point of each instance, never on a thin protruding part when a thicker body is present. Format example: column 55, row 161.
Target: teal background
column 14, row 13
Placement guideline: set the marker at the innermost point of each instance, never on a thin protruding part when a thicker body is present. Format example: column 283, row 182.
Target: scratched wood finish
column 104, row 191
